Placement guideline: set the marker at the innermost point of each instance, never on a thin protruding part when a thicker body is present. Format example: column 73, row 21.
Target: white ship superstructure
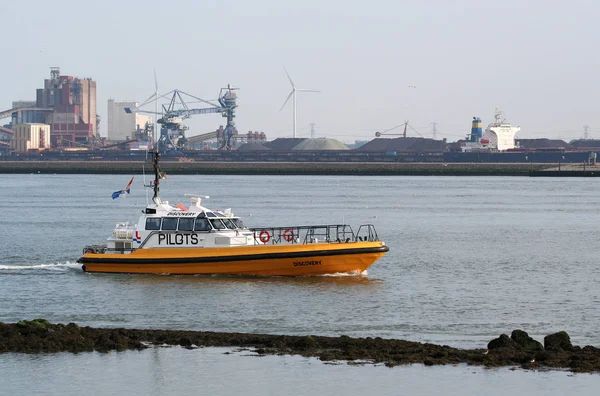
column 500, row 133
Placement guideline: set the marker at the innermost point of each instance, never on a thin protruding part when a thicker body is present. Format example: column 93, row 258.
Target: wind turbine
column 153, row 98
column 293, row 94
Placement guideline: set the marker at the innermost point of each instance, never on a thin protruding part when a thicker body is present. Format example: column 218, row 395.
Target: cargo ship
column 498, row 144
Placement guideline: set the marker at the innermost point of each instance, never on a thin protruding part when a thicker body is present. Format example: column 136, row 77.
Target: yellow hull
column 264, row 260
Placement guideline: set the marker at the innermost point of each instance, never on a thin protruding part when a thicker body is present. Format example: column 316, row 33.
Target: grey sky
column 537, row 60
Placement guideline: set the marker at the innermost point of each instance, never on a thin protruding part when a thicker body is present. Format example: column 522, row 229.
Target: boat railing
column 331, row 233
column 120, row 250
column 95, row 249
column 367, row 233
column 104, row 249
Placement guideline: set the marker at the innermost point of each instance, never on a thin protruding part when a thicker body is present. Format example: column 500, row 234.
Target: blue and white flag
column 126, row 190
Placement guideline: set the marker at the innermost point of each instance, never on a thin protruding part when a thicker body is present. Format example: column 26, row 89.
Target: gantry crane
column 172, row 131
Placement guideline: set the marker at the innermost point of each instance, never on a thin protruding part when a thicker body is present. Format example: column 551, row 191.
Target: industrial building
column 73, row 101
column 122, row 125
column 6, row 136
column 67, row 104
column 30, row 137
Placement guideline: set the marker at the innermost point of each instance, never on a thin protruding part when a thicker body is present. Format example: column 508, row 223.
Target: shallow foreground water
column 209, row 371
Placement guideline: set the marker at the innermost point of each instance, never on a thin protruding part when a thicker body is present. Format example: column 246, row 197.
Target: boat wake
column 57, row 267
column 344, row 274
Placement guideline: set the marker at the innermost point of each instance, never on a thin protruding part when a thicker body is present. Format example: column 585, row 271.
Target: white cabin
column 165, row 226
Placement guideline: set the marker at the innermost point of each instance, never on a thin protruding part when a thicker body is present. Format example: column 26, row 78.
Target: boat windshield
column 229, row 224
column 202, row 224
column 217, row 224
column 238, row 223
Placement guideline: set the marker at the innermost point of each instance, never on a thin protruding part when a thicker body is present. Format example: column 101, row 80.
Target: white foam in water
column 46, row 267
column 350, row 273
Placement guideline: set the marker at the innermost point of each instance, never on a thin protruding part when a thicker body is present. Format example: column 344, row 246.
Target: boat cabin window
column 169, row 223
column 210, row 214
column 153, row 223
column 229, row 224
column 186, row 224
column 202, row 225
column 238, row 223
column 217, row 224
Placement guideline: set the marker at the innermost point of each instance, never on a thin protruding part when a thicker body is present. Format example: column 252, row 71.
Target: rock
column 43, row 337
column 589, row 348
column 558, row 341
column 503, row 341
column 307, row 342
column 523, row 341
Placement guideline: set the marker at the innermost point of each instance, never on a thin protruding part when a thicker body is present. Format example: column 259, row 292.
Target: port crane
column 172, row 130
column 403, row 134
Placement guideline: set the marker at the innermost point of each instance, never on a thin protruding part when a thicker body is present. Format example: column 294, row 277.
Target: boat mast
column 155, row 158
column 156, row 152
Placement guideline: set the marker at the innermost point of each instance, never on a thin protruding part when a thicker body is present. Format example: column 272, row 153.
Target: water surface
column 470, row 258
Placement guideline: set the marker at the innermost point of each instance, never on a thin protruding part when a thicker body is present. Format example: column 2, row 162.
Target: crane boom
column 184, row 113
column 191, row 112
column 171, row 119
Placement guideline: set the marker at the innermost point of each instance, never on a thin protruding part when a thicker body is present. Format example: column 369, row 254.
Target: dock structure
column 568, row 170
column 275, row 168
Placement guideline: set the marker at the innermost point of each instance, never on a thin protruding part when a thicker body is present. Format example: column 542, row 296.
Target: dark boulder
column 503, row 341
column 523, row 341
column 558, row 341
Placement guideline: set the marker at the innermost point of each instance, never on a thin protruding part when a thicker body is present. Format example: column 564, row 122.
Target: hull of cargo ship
column 520, row 157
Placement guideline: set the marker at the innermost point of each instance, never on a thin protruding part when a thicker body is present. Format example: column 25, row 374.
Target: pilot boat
column 177, row 240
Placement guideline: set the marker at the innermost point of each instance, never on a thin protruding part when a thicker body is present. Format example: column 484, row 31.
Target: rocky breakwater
column 518, row 350
column 556, row 352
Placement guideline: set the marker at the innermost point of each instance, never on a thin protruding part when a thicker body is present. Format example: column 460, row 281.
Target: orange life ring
column 264, row 236
column 288, row 235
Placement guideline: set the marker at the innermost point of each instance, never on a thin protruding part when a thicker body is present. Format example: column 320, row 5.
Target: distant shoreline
column 277, row 168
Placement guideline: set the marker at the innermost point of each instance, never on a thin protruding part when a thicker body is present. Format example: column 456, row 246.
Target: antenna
column 434, row 125
column 498, row 116
column 154, row 138
column 293, row 95
column 312, row 130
